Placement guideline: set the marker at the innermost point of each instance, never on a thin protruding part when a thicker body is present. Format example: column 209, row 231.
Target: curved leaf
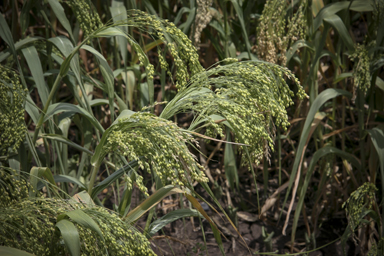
column 107, row 74
column 111, row 178
column 34, row 64
column 67, row 107
column 316, row 105
column 336, row 22
column 63, row 179
column 119, row 13
column 333, row 8
column 171, row 217
column 8, row 251
column 81, row 218
column 297, row 45
column 319, row 154
column 150, row 202
column 62, row 139
column 36, row 173
column 60, row 14
column 239, row 12
column 19, row 45
column 70, row 235
column 98, row 102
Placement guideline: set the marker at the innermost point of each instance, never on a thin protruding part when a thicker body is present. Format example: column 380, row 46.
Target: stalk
column 225, row 29
column 42, row 115
column 360, row 103
column 94, row 171
column 265, row 174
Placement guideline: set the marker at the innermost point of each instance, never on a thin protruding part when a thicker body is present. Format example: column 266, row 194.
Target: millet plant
column 119, row 132
column 93, row 95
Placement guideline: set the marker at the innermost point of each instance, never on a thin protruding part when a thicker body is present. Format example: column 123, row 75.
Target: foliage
column 30, row 224
column 112, row 97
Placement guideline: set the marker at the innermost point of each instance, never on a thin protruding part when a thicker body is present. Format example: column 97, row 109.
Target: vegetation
column 106, row 102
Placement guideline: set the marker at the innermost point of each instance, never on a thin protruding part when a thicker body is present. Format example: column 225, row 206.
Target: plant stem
column 42, row 115
column 94, row 172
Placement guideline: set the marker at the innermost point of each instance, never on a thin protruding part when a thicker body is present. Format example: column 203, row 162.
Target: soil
column 185, row 236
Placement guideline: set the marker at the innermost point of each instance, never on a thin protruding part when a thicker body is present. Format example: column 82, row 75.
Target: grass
column 112, row 96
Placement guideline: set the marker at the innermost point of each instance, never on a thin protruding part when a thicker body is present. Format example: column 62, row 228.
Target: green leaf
column 109, row 32
column 316, row 105
column 316, row 157
column 377, row 137
column 380, row 83
column 333, row 8
column 171, row 217
column 239, row 13
column 60, row 14
column 107, row 74
column 34, row 64
column 230, row 163
column 217, row 25
column 70, row 235
column 81, row 218
column 119, row 14
column 8, row 251
column 180, row 14
column 130, row 83
column 19, row 45
column 113, row 31
column 111, row 178
column 341, row 77
column 71, row 61
column 336, row 22
column 150, row 202
column 186, row 26
column 36, row 173
column 121, row 103
column 99, row 102
column 64, row 125
column 67, row 107
column 296, row 46
column 63, row 179
column 33, row 149
column 6, row 35
column 24, row 15
column 32, row 109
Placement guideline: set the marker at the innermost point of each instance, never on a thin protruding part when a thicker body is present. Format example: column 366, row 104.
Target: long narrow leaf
column 171, row 217
column 81, row 218
column 319, row 101
column 34, row 64
column 59, row 12
column 331, row 9
column 67, row 107
column 8, row 251
column 36, row 173
column 111, row 178
column 319, row 154
column 336, row 22
column 150, row 202
column 107, row 74
column 239, row 12
column 70, row 235
column 62, row 139
column 63, row 179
